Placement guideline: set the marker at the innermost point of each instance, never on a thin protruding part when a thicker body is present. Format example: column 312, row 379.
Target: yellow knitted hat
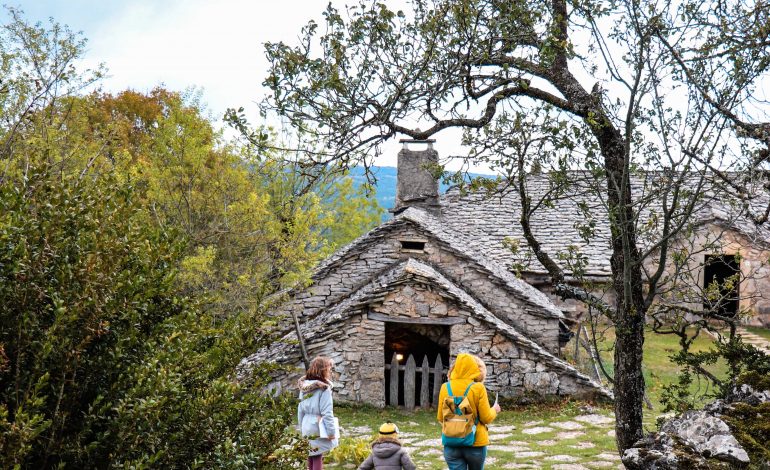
column 389, row 430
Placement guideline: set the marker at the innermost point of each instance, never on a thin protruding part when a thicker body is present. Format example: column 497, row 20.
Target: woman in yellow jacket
column 469, row 370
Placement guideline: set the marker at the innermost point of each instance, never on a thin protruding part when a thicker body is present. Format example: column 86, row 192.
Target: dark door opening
column 418, row 341
column 724, row 271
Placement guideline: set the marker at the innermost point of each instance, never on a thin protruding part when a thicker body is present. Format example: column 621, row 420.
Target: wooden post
column 394, row 380
column 438, row 370
column 592, row 354
column 301, row 339
column 409, row 382
column 424, row 384
column 577, row 344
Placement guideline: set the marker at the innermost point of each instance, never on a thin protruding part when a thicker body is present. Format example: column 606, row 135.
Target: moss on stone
column 756, row 380
column 750, row 425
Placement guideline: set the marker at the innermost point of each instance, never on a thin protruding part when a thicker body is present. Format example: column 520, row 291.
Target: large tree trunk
column 629, row 382
column 627, row 282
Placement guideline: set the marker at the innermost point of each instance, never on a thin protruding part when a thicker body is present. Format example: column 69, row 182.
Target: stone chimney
column 417, row 186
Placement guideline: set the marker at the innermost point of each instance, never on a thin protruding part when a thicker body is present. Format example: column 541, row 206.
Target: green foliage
column 254, row 222
column 751, row 427
column 137, row 252
column 108, row 365
column 84, row 283
column 744, row 363
column 351, row 451
column 751, row 423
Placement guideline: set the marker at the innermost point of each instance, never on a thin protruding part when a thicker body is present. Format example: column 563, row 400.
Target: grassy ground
column 763, row 332
column 561, row 436
column 657, row 367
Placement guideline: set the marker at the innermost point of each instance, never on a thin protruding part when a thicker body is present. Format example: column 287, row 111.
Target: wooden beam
column 416, row 321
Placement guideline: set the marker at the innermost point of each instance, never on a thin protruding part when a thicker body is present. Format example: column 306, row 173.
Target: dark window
column 722, row 270
column 412, row 245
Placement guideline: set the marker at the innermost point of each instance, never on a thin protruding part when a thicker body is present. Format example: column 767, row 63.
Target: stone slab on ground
column 356, row 430
column 519, row 443
column 537, row 430
column 601, row 464
column 595, row 419
column 569, row 435
column 430, row 443
column 567, row 425
column 583, row 445
column 562, row 458
column 529, row 454
column 507, row 448
column 493, row 428
column 429, row 451
column 546, row 443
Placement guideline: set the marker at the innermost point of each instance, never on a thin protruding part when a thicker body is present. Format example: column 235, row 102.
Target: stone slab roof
column 466, row 242
column 487, row 219
column 321, row 328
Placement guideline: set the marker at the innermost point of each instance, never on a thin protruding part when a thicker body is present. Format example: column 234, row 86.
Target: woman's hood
column 465, row 368
column 307, row 386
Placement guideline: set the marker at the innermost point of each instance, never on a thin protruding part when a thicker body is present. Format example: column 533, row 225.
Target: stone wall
column 357, row 347
column 713, row 239
column 710, row 239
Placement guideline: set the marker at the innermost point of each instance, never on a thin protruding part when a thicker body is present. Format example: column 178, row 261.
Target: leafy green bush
column 104, row 363
column 351, row 450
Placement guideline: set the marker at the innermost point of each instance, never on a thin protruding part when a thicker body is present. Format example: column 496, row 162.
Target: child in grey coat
column 316, row 410
column 387, row 453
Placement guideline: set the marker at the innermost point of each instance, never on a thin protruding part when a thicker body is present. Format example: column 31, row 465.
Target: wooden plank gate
column 430, row 380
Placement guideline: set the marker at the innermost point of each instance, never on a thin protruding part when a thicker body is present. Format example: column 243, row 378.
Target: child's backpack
column 458, row 424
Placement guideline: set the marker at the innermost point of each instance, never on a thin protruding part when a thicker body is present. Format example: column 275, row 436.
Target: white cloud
column 214, row 46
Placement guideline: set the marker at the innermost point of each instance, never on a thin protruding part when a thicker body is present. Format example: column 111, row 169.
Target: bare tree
column 618, row 82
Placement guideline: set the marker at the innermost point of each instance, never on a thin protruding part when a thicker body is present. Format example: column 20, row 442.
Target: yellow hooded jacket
column 464, row 373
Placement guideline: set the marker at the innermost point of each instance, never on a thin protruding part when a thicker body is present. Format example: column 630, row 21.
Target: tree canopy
column 615, row 89
column 139, row 254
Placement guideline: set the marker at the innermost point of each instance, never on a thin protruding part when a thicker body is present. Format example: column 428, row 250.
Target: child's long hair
column 320, row 369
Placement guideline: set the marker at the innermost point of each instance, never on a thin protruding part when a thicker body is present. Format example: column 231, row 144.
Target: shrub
column 103, row 363
column 351, row 451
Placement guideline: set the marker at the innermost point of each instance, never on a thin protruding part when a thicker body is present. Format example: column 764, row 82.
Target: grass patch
column 658, row 369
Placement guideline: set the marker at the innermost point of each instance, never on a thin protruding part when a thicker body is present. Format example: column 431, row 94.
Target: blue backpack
column 458, row 424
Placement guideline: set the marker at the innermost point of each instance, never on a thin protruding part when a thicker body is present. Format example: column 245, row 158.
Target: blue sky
column 214, row 46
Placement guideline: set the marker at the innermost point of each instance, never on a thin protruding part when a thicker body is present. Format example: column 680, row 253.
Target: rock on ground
column 696, row 439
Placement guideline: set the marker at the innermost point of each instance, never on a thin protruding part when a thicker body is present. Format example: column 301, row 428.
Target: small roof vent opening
column 413, row 245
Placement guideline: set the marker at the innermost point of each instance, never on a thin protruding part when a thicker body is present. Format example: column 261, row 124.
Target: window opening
column 724, row 271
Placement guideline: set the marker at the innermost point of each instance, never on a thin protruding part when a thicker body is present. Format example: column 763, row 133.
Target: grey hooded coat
column 387, row 454
column 316, row 401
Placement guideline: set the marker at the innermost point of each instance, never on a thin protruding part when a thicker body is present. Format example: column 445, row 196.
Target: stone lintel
column 418, row 321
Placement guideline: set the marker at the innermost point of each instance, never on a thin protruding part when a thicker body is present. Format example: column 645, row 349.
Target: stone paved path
column 759, row 342
column 524, row 447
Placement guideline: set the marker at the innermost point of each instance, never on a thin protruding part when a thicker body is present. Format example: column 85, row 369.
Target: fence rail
column 429, row 376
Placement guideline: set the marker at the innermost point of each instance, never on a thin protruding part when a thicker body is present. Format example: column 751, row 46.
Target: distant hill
column 386, row 184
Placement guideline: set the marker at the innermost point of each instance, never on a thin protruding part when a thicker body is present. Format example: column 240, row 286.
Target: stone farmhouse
column 436, row 280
